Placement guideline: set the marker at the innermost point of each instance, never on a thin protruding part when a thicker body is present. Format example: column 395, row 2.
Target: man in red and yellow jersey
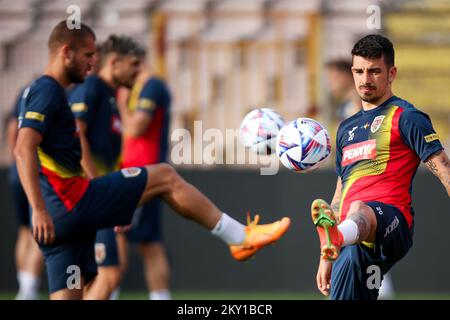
column 378, row 150
column 145, row 143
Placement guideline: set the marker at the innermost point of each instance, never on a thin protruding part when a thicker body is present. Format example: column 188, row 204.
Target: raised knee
column 165, row 170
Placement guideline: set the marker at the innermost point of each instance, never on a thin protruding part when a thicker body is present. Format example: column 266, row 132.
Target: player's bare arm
column 439, row 164
column 137, row 122
column 86, row 158
column 134, row 122
column 336, row 202
column 25, row 152
column 323, row 277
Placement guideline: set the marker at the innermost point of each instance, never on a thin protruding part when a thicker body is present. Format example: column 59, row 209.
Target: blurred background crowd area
column 223, row 58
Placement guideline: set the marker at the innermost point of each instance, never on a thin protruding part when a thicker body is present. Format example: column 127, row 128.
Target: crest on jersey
column 116, row 126
column 100, row 253
column 131, row 172
column 376, row 124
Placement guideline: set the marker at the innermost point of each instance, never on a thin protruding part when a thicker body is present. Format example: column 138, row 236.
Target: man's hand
column 323, row 277
column 43, row 228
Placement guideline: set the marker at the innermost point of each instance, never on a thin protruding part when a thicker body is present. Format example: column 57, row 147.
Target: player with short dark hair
column 370, row 221
column 68, row 209
column 341, row 88
column 146, row 141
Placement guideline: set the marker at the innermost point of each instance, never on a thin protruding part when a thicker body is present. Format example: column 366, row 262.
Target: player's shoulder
column 155, row 80
column 92, row 80
column 409, row 110
column 349, row 122
column 90, row 84
column 155, row 83
column 45, row 88
column 45, row 83
column 156, row 89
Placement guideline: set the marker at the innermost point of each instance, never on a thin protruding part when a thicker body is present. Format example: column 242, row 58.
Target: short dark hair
column 342, row 65
column 61, row 35
column 121, row 45
column 375, row 46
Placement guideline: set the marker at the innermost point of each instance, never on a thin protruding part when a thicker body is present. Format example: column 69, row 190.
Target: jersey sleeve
column 149, row 97
column 38, row 108
column 418, row 133
column 82, row 101
column 338, row 152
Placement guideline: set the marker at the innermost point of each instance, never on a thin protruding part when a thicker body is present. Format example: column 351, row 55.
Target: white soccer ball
column 303, row 145
column 259, row 129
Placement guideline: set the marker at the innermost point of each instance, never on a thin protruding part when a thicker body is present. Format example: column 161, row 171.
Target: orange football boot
column 259, row 236
column 326, row 224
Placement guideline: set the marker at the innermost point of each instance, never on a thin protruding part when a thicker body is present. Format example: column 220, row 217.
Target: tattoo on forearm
column 440, row 166
column 363, row 226
column 430, row 164
column 336, row 207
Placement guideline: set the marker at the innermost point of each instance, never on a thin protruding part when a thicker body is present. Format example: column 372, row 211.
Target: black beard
column 73, row 75
column 370, row 100
column 123, row 84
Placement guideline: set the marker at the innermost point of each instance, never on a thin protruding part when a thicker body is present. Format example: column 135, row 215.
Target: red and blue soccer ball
column 303, row 145
column 259, row 129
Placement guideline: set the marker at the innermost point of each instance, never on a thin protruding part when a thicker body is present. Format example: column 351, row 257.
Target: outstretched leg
column 188, row 201
column 164, row 181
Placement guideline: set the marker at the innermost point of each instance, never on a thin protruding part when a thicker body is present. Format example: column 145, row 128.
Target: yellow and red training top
column 378, row 153
column 44, row 108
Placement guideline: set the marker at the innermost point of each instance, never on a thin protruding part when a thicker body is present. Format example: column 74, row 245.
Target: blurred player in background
column 342, row 89
column 28, row 257
column 68, row 209
column 94, row 105
column 370, row 221
column 146, row 130
column 343, row 93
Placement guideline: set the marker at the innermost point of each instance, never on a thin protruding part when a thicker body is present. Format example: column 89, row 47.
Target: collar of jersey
column 381, row 106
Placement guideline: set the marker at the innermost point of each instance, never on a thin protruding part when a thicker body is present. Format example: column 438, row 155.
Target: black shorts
column 146, row 224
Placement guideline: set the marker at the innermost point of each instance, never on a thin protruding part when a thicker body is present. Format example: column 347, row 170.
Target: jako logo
column 359, row 151
column 391, row 227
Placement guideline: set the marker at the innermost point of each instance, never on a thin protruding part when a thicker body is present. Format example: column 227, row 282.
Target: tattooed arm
column 439, row 164
column 336, row 202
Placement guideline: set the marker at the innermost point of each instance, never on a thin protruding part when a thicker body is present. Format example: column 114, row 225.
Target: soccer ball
column 259, row 129
column 303, row 144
